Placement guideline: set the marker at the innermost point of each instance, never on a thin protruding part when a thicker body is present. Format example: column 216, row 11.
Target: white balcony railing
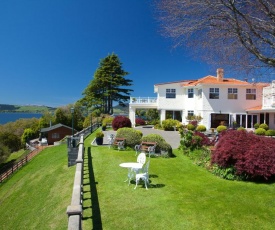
column 143, row 100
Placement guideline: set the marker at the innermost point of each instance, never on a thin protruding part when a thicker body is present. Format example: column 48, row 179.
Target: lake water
column 10, row 117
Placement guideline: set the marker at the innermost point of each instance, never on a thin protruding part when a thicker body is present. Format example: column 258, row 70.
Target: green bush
column 132, row 136
column 264, row 126
column 256, row 125
column 157, row 126
column 107, row 120
column 241, row 129
column 161, row 143
column 260, row 131
column 270, row 132
column 201, row 128
column 169, row 124
column 221, row 128
column 99, row 134
column 190, row 127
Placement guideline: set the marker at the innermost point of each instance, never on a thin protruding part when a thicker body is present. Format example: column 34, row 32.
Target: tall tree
column 234, row 33
column 109, row 84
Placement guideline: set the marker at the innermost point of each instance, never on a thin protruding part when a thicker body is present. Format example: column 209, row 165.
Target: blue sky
column 50, row 49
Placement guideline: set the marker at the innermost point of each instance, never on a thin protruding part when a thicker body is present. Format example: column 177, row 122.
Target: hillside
column 6, row 108
column 119, row 109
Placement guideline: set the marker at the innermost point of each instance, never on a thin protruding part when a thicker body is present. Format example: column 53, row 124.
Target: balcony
column 143, row 102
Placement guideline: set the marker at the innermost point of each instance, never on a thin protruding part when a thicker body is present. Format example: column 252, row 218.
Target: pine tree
column 108, row 85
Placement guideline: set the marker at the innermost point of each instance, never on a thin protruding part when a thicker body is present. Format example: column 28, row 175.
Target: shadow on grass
column 96, row 216
column 141, row 182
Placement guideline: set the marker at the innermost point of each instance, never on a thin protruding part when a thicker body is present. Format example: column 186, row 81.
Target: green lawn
column 182, row 195
column 37, row 196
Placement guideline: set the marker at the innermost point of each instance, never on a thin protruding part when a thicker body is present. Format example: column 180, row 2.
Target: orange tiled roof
column 213, row 80
column 172, row 82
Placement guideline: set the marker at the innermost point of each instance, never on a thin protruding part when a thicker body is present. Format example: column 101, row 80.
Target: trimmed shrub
column 256, row 125
column 132, row 136
column 158, row 126
column 264, row 126
column 140, row 121
column 205, row 141
column 190, row 127
column 107, row 120
column 221, row 128
column 270, row 132
column 201, row 128
column 161, row 143
column 260, row 131
column 169, row 124
column 121, row 122
column 241, row 129
column 99, row 134
column 251, row 156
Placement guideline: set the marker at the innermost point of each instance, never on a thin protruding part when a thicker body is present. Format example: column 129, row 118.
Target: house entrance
column 219, row 119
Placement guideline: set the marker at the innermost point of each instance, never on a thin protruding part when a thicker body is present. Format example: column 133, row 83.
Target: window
column 170, row 93
column 55, row 135
column 190, row 113
column 250, row 94
column 214, row 93
column 232, row 93
column 190, row 93
column 200, row 93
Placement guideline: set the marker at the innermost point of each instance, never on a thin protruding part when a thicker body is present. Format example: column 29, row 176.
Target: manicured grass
column 182, row 196
column 37, row 196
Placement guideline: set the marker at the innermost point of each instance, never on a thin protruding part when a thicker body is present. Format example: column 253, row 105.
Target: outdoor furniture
column 144, row 175
column 149, row 147
column 111, row 140
column 140, row 159
column 132, row 167
column 120, row 143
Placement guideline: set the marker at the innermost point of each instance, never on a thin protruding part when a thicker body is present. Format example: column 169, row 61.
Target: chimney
column 220, row 75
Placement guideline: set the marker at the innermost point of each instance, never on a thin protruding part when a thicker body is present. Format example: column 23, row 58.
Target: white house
column 215, row 98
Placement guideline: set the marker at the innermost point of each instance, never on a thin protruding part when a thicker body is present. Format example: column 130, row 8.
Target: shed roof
column 44, row 130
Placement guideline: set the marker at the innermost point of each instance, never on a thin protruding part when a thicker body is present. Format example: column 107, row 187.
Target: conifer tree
column 108, row 85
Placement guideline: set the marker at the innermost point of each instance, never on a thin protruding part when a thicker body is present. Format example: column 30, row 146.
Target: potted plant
column 103, row 127
column 99, row 138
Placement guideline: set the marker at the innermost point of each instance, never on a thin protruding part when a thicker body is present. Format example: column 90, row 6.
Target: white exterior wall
column 225, row 105
column 170, row 103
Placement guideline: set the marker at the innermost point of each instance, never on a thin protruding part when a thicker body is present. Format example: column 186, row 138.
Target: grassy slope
column 182, row 196
column 36, row 197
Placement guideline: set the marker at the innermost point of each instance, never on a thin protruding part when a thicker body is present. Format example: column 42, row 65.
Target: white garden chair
column 144, row 175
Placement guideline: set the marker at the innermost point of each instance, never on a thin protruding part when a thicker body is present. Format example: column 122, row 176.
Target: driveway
column 171, row 137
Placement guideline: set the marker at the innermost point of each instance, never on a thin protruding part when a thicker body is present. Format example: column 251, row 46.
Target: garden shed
column 55, row 133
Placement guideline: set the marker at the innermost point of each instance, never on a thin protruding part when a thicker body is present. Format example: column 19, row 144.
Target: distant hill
column 6, row 108
column 119, row 109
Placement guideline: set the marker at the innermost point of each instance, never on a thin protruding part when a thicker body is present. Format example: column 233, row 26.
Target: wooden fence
column 15, row 167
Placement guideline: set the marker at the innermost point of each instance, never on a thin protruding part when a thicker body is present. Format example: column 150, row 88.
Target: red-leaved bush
column 251, row 155
column 121, row 122
column 140, row 121
column 205, row 141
